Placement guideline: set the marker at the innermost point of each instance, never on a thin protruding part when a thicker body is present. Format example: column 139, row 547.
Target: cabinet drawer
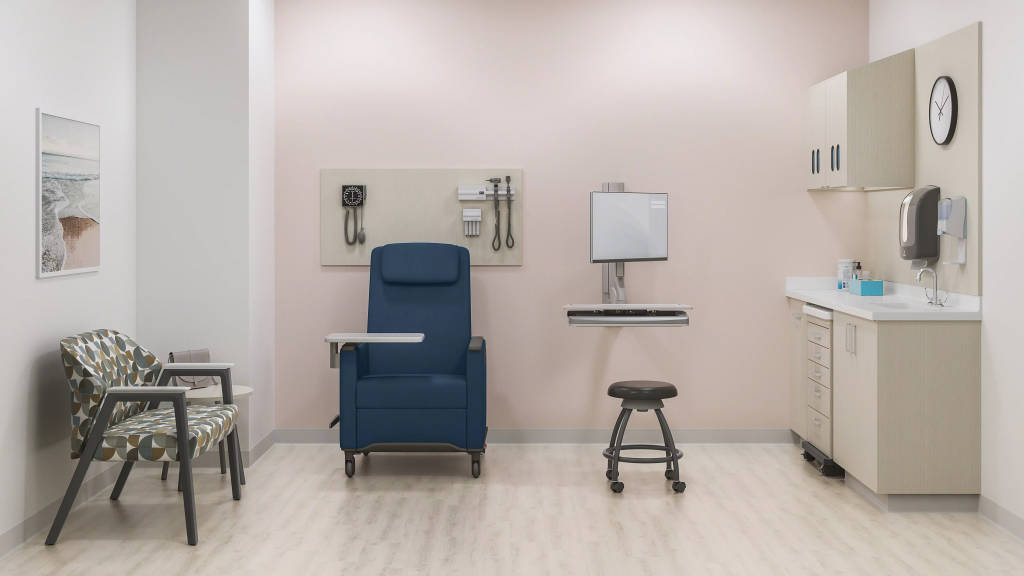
column 819, row 374
column 819, row 398
column 819, row 431
column 820, row 335
column 819, row 354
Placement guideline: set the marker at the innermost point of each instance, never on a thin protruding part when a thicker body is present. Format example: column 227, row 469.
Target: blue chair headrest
column 420, row 264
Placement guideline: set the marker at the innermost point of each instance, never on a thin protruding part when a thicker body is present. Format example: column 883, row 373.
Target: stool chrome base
column 615, row 447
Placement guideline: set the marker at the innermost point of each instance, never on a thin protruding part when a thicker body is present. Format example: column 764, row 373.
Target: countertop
column 900, row 303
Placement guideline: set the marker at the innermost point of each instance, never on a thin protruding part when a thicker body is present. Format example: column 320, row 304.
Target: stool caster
column 808, row 456
column 366, row 452
column 678, row 487
column 611, row 475
column 617, row 486
column 668, row 474
column 350, row 465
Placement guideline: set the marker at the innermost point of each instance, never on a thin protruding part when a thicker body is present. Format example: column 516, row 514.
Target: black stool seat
column 642, row 390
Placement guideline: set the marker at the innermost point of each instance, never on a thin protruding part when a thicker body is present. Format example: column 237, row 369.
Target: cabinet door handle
column 818, row 168
column 812, row 161
column 832, row 159
column 851, row 338
column 837, row 156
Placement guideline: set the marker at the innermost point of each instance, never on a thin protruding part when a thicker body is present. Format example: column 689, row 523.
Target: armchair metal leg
column 223, row 464
column 92, row 444
column 235, row 459
column 163, row 472
column 241, row 465
column 68, row 501
column 126, row 469
column 185, row 475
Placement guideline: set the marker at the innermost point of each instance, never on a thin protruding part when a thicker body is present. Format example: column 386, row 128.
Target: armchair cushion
column 411, row 391
column 95, row 361
column 152, row 435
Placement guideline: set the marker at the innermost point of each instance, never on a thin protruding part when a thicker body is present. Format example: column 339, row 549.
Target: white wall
column 75, row 59
column 205, row 259
column 262, row 329
column 899, row 24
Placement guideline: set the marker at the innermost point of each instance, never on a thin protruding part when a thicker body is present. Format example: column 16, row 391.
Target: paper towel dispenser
column 919, row 219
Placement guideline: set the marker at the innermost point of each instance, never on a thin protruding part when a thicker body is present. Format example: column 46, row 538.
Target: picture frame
column 68, row 196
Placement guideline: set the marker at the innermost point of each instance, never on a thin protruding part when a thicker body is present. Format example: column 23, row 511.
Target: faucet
column 934, row 298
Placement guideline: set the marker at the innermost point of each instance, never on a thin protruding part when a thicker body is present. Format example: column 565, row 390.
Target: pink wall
column 702, row 100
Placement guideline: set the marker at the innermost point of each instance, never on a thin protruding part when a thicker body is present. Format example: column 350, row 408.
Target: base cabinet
column 906, row 404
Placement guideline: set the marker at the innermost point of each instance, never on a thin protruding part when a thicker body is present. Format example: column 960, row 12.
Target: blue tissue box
column 866, row 287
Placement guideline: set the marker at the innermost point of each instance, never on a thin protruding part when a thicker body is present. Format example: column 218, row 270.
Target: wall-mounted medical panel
column 383, row 206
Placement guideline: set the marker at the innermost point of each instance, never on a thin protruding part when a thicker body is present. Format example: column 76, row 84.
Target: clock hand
column 944, row 101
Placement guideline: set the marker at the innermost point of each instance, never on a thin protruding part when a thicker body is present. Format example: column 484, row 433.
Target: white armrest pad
column 374, row 337
column 199, row 366
column 150, row 389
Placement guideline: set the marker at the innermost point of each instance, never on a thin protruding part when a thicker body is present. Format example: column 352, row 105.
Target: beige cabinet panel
column 819, row 398
column 819, row 334
column 837, row 122
column 816, row 138
column 819, row 431
column 855, row 397
column 819, row 354
column 797, row 352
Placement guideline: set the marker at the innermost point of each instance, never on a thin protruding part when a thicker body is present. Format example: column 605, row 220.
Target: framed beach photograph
column 68, row 208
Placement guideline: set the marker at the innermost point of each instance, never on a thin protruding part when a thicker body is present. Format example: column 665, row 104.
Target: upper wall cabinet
column 859, row 127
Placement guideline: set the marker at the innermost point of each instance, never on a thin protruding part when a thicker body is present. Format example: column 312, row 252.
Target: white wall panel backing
column 417, row 205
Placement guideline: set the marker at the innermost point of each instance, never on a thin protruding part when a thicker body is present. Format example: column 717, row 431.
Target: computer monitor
column 628, row 226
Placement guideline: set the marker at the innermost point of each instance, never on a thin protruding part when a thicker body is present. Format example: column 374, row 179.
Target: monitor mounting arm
column 613, row 283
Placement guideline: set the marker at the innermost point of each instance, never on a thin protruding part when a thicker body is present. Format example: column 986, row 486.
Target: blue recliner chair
column 427, row 396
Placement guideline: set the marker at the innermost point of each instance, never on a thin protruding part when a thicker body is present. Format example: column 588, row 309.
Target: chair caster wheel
column 350, row 468
column 678, row 487
column 476, row 468
column 617, row 486
column 808, row 456
column 668, row 474
column 366, row 452
column 611, row 475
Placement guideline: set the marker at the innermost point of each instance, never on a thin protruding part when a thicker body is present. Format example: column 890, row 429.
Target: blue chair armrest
column 353, row 363
column 476, row 390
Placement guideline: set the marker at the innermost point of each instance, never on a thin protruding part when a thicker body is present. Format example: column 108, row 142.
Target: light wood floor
column 748, row 509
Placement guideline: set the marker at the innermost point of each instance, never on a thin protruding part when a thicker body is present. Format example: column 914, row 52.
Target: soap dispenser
column 919, row 218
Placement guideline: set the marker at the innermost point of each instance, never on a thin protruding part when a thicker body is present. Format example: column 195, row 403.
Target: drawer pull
column 817, row 393
column 817, row 374
column 817, row 422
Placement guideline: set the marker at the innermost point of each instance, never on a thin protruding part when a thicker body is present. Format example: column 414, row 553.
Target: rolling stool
column 642, row 395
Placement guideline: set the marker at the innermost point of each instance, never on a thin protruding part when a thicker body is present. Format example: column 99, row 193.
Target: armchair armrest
column 352, row 339
column 200, row 366
column 476, row 393
column 220, row 370
column 134, row 393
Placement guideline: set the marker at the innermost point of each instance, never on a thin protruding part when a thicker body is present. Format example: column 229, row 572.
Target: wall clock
column 942, row 110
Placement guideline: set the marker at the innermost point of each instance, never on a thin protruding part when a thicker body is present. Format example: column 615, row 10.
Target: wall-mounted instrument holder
column 471, row 221
column 423, row 205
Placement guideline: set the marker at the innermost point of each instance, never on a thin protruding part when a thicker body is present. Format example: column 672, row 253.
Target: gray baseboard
column 915, row 502
column 41, row 520
column 575, row 436
column 1001, row 516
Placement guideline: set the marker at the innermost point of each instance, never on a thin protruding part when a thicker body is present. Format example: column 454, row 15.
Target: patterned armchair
column 116, row 387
